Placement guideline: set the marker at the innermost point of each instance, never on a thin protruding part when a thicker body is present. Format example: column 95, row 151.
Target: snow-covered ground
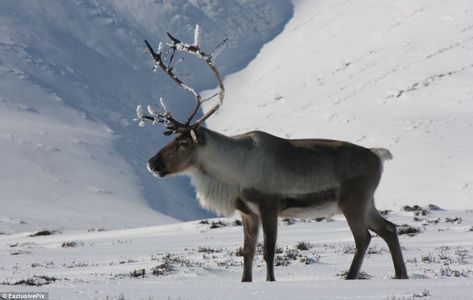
column 195, row 261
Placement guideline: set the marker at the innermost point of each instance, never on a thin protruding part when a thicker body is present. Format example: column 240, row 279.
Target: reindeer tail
column 382, row 153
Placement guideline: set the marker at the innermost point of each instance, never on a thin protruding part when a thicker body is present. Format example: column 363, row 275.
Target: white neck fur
column 216, row 178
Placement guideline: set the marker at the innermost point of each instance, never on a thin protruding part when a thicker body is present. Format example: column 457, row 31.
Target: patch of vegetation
column 42, row 265
column 122, row 242
column 75, row 264
column 364, row 275
column 408, row 230
column 169, row 265
column 348, row 249
column 127, row 261
column 409, row 208
column 156, row 256
column 416, row 209
column 445, row 257
column 436, row 221
column 19, row 252
column 417, row 219
column 100, row 229
column 138, row 273
column 418, row 276
column 164, row 268
column 217, row 224
column 424, row 293
column 228, row 262
column 375, row 250
column 26, row 244
column 260, row 249
column 444, row 254
column 455, row 220
column 72, row 244
column 208, row 250
column 361, row 275
column 34, row 281
column 304, row 246
column 428, row 258
column 321, row 219
column 447, row 271
column 44, row 233
column 434, row 207
column 281, row 261
column 285, row 258
column 462, row 255
column 309, row 260
column 289, row 221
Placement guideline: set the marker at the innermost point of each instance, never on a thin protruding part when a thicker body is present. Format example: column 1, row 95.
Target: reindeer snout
column 156, row 167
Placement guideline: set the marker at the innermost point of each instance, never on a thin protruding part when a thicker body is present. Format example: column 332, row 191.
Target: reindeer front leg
column 269, row 220
column 250, row 228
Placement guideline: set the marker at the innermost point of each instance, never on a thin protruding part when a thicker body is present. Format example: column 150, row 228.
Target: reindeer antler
column 165, row 118
column 172, row 125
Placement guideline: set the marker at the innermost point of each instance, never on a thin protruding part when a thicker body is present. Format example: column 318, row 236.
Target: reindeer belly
column 311, row 205
column 322, row 203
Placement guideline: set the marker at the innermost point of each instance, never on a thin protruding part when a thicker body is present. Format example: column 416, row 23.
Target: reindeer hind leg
column 353, row 202
column 387, row 231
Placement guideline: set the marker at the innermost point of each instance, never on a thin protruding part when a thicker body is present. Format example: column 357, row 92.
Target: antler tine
column 220, row 93
column 207, row 58
column 172, row 125
column 169, row 71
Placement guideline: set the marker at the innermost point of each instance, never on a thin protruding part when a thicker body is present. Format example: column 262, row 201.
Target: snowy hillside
column 71, row 75
column 394, row 74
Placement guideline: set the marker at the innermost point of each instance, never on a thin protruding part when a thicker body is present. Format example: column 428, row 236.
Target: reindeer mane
column 214, row 194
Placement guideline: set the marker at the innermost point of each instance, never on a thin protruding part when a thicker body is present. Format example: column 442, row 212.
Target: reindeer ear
column 194, row 136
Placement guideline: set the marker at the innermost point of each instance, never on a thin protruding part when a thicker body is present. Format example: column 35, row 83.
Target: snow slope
column 71, row 75
column 394, row 74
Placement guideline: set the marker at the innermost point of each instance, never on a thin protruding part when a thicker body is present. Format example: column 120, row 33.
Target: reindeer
column 264, row 177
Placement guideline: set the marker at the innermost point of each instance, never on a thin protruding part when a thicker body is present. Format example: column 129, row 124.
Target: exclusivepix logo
column 24, row 295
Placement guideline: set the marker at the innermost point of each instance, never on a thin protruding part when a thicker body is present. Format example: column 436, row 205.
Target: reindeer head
column 180, row 154
column 177, row 156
